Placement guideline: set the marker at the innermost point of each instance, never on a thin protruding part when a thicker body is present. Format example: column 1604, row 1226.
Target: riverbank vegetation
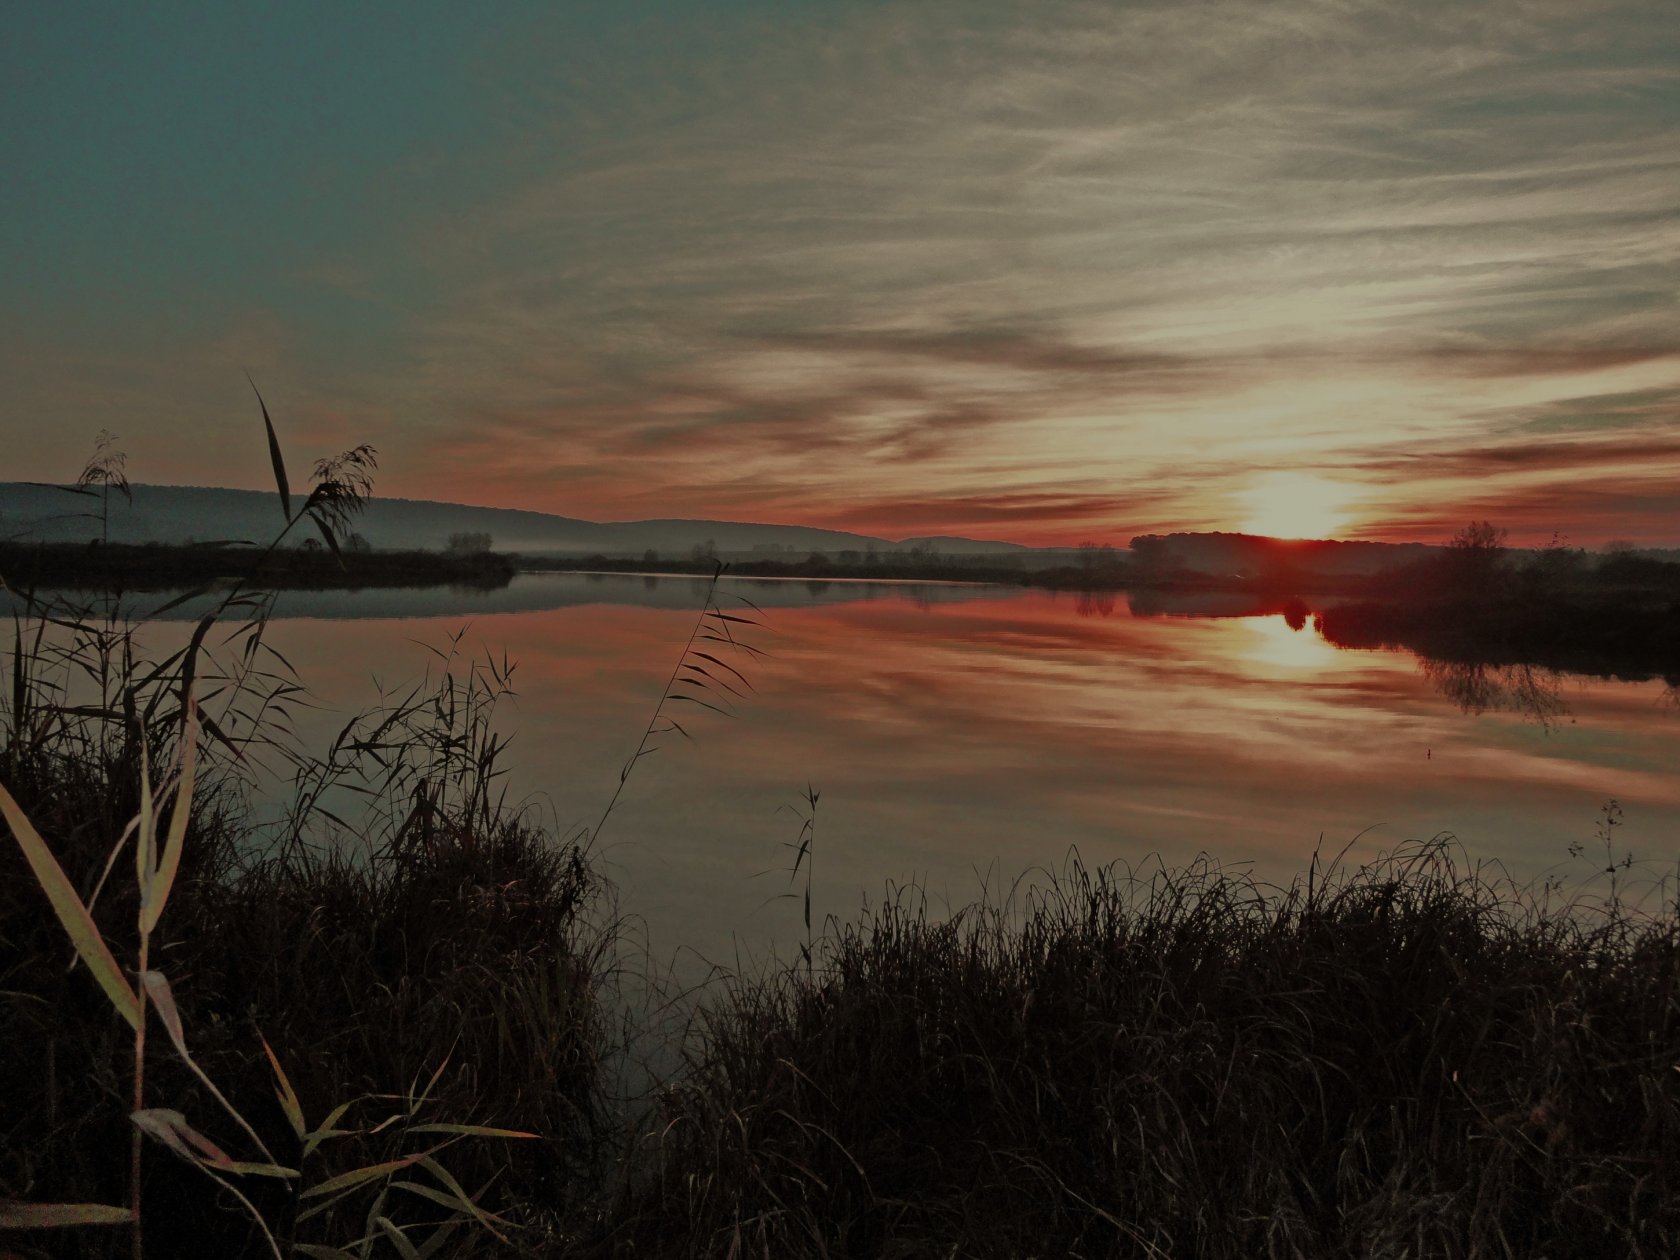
column 1412, row 1057
column 1474, row 603
column 1409, row 1058
column 158, row 567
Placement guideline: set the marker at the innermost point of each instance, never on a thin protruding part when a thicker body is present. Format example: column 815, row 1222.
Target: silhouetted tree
column 1474, row 559
column 1094, row 556
column 1154, row 555
column 1553, row 568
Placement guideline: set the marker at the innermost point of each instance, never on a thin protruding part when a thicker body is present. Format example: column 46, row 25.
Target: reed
column 1409, row 1058
column 346, row 1032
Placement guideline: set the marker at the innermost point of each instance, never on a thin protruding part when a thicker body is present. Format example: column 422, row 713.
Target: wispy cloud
column 1093, row 264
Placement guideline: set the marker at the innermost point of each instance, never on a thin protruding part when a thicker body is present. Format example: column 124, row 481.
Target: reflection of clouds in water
column 950, row 727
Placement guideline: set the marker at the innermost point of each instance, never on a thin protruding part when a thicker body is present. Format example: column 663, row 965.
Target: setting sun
column 1295, row 505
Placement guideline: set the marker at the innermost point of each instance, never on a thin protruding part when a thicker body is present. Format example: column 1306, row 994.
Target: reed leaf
column 20, row 692
column 465, row 1200
column 275, row 457
column 157, row 989
column 170, row 1127
column 52, row 1215
column 84, row 933
column 394, row 1235
column 472, row 1130
column 155, row 889
column 721, row 664
column 315, row 1137
column 184, row 597
column 284, row 1091
column 327, row 534
column 145, row 829
column 357, row 1176
column 441, row 1235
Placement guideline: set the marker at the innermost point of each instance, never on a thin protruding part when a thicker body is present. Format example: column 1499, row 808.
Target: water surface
column 963, row 734
column 957, row 734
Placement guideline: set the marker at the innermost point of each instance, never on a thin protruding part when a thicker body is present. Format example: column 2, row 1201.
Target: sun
column 1296, row 505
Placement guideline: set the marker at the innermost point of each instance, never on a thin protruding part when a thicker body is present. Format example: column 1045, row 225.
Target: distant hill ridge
column 180, row 514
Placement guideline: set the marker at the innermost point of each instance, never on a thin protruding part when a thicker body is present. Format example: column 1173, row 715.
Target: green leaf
column 357, row 1176
column 471, row 1130
column 156, row 985
column 455, row 1188
column 288, row 1096
column 84, row 934
column 51, row 1215
column 145, row 829
column 170, row 1127
column 154, row 893
column 433, row 1245
column 314, row 1138
column 414, row 1104
column 397, row 1238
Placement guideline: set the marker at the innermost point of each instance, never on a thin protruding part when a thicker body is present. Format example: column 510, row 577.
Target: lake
column 960, row 736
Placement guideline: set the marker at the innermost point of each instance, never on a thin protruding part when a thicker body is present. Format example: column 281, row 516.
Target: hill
column 180, row 514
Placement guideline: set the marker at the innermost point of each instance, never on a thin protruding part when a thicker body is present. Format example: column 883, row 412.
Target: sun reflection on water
column 1271, row 642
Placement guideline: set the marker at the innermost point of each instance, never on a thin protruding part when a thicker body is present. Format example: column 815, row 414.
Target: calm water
column 968, row 734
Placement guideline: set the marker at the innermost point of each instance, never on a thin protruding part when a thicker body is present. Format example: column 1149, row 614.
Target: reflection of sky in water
column 958, row 731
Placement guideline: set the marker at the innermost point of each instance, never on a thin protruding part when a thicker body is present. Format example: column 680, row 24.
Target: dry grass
column 1407, row 1059
column 360, row 1016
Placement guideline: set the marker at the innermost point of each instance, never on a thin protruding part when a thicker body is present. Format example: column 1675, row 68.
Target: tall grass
column 1411, row 1058
column 349, row 1036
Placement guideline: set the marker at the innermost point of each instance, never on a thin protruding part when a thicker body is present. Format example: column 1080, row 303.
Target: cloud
column 1580, row 457
column 902, row 259
column 1629, row 409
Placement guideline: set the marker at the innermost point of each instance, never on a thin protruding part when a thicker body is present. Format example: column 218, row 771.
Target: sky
column 1046, row 272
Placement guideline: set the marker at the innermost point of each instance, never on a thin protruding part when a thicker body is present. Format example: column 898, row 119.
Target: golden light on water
column 1296, row 505
column 1271, row 643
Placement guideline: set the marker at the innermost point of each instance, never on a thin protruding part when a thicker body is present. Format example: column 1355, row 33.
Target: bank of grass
column 1409, row 1058
column 1405, row 1059
column 441, row 965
